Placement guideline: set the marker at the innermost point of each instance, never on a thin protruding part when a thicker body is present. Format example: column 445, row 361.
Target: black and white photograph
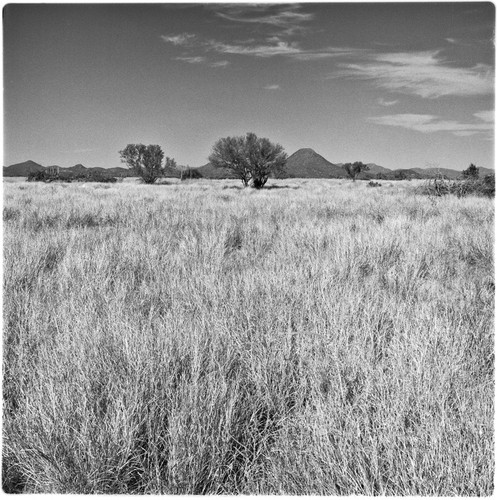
column 248, row 249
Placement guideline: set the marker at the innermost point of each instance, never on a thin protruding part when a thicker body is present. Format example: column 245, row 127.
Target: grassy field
column 316, row 337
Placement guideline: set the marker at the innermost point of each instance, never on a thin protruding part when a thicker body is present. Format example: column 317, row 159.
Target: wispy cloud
column 486, row 116
column 181, row 39
column 384, row 102
column 272, row 87
column 219, row 64
column 286, row 17
column 424, row 74
column 191, row 60
column 431, row 123
column 268, row 47
column 276, row 48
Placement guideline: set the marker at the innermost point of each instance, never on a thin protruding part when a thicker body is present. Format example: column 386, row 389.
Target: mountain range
column 28, row 167
column 304, row 164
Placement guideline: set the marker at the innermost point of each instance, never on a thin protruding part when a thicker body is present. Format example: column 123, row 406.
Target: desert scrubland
column 316, row 337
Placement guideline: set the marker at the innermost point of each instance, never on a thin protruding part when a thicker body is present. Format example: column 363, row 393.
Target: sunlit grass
column 319, row 337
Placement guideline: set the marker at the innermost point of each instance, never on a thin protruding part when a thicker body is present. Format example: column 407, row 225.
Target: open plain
column 315, row 337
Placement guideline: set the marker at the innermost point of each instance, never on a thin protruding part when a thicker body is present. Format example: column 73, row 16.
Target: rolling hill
column 449, row 172
column 403, row 173
column 210, row 172
column 25, row 168
column 22, row 169
column 304, row 163
column 377, row 169
column 432, row 172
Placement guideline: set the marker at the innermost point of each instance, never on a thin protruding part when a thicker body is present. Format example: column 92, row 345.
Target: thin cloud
column 272, row 87
column 384, row 102
column 486, row 116
column 286, row 17
column 191, row 60
column 269, row 50
column 181, row 39
column 430, row 123
column 277, row 47
column 326, row 53
column 270, row 47
column 420, row 73
column 219, row 64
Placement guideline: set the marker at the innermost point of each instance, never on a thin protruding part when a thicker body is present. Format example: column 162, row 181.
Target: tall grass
column 318, row 338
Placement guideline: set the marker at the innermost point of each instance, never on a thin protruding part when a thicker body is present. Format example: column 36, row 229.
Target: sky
column 397, row 84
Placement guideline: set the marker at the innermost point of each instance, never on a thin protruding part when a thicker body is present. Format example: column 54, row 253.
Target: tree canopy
column 354, row 169
column 471, row 172
column 146, row 161
column 249, row 157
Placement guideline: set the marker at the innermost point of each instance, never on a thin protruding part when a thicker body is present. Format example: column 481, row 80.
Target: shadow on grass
column 281, row 187
column 158, row 183
column 239, row 188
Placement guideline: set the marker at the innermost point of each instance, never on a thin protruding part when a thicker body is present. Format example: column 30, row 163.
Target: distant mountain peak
column 306, row 163
column 22, row 169
column 306, row 150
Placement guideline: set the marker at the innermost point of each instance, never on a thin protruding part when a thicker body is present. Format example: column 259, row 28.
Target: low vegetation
column 469, row 185
column 373, row 184
column 319, row 337
column 92, row 176
column 190, row 173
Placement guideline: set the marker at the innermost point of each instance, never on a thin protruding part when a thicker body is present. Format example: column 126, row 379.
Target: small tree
column 264, row 158
column 230, row 153
column 250, row 158
column 146, row 161
column 471, row 172
column 354, row 169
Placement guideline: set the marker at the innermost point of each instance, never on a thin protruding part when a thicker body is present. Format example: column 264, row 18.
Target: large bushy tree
column 354, row 169
column 230, row 153
column 264, row 158
column 146, row 161
column 249, row 157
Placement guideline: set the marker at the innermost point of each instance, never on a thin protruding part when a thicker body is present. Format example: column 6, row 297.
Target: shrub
column 39, row 175
column 191, row 173
column 92, row 176
column 471, row 172
column 95, row 176
column 469, row 186
column 373, row 184
column 488, row 185
column 10, row 213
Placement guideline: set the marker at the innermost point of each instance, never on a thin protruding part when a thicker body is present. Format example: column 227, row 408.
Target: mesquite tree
column 264, row 158
column 229, row 153
column 354, row 169
column 249, row 157
column 146, row 161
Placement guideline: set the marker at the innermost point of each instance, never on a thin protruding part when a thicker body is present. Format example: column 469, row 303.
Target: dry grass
column 317, row 338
